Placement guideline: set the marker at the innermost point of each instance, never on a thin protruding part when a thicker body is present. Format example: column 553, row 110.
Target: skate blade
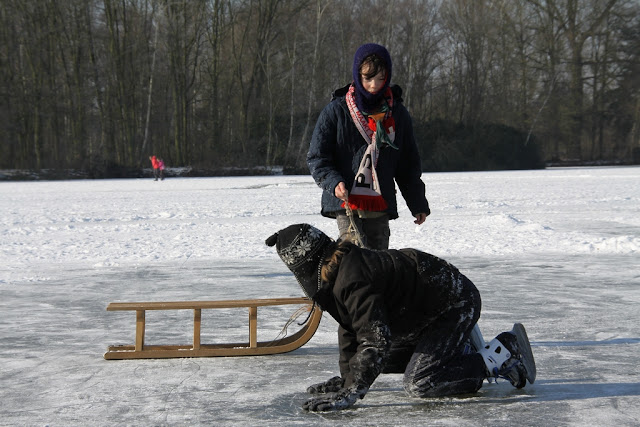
column 525, row 349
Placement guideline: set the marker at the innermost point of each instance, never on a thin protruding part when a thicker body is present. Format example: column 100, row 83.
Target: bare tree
column 319, row 35
column 156, row 30
column 99, row 83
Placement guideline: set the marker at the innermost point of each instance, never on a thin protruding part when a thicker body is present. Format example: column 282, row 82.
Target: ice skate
column 509, row 356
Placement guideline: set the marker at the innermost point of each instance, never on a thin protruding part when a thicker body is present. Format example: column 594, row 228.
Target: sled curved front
column 197, row 349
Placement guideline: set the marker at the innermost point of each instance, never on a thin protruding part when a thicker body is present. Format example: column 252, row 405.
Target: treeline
column 102, row 84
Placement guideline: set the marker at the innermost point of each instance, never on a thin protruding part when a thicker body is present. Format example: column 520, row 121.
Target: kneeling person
column 399, row 311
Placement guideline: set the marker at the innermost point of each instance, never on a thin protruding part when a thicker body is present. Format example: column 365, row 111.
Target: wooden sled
column 252, row 348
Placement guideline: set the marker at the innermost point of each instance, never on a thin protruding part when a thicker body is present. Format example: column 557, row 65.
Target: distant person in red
column 156, row 167
column 161, row 168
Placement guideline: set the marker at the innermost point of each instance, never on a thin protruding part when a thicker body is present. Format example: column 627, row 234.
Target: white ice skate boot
column 509, row 356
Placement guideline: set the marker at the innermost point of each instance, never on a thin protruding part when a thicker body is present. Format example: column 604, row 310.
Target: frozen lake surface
column 557, row 249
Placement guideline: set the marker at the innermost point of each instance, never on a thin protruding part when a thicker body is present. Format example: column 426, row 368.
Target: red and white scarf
column 365, row 193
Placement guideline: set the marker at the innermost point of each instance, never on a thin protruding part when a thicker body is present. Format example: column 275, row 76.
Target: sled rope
column 353, row 227
column 283, row 333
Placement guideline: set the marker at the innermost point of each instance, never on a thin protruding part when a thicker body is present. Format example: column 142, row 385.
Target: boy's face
column 375, row 83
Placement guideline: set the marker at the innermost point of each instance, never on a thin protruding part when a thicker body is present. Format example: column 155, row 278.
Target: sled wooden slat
column 140, row 316
column 140, row 350
column 197, row 320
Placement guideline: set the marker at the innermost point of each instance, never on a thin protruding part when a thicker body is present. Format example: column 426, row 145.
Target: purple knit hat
column 364, row 100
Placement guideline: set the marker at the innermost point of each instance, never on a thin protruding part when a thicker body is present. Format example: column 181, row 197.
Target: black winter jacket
column 337, row 148
column 383, row 300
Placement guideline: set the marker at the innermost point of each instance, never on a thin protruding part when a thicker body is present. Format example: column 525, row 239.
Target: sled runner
column 252, row 348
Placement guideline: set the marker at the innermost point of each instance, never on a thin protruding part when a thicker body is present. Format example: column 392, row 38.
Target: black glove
column 329, row 386
column 343, row 399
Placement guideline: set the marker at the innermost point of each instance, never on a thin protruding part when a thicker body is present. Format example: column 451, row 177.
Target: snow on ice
column 555, row 249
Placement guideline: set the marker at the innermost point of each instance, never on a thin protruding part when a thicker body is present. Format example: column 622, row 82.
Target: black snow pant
column 439, row 365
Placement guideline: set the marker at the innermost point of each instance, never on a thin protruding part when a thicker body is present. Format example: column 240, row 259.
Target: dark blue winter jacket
column 337, row 147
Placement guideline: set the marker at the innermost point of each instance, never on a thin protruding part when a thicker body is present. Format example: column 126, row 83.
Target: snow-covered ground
column 556, row 249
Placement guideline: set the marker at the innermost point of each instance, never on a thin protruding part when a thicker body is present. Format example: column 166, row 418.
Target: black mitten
column 343, row 399
column 329, row 386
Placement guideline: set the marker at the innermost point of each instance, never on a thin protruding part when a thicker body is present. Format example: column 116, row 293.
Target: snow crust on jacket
column 382, row 301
